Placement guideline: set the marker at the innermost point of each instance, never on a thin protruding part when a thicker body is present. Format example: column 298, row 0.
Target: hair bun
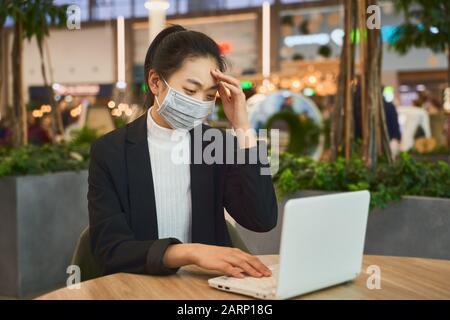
column 174, row 28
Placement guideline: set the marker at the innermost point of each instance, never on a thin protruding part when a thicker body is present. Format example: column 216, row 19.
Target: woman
column 150, row 214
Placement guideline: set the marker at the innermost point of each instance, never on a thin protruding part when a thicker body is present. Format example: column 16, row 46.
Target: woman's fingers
column 223, row 92
column 234, row 90
column 228, row 79
column 249, row 263
column 231, row 261
column 232, row 271
column 258, row 265
column 240, row 262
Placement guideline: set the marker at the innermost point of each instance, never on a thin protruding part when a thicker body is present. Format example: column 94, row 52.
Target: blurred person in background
column 288, row 104
column 5, row 130
column 391, row 116
column 426, row 101
column 65, row 109
column 438, row 120
column 393, row 127
column 37, row 134
column 436, row 114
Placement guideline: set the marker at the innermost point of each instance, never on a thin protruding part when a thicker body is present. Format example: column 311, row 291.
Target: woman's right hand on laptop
column 231, row 261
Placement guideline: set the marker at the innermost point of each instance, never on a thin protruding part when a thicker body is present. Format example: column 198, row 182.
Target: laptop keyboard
column 264, row 284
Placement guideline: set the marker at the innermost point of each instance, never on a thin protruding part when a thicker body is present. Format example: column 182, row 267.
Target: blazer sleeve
column 249, row 195
column 112, row 241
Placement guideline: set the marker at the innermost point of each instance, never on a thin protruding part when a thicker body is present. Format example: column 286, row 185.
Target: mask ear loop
column 156, row 98
column 157, row 102
column 165, row 82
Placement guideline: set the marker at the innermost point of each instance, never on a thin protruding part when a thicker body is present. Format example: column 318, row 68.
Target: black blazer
column 122, row 211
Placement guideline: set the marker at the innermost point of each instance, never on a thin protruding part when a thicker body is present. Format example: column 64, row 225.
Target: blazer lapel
column 202, row 194
column 141, row 190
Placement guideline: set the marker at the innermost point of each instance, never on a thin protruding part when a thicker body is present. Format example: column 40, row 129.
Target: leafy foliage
column 387, row 182
column 32, row 159
column 36, row 15
column 119, row 122
column 303, row 131
column 427, row 24
column 83, row 136
column 31, row 19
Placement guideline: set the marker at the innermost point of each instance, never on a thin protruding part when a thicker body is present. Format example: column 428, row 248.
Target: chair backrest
column 235, row 238
column 90, row 267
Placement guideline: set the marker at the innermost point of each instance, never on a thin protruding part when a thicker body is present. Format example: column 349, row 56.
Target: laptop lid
column 322, row 241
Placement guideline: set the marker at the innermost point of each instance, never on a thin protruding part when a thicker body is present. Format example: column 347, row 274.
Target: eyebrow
column 193, row 81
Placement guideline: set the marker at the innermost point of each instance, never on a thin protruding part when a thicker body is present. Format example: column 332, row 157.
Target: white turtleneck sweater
column 171, row 180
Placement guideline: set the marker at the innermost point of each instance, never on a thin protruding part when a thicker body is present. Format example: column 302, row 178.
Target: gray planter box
column 413, row 226
column 42, row 218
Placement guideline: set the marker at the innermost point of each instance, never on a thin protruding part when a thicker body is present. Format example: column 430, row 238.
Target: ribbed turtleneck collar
column 158, row 134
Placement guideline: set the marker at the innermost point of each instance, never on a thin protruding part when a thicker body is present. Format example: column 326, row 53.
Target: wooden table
column 401, row 278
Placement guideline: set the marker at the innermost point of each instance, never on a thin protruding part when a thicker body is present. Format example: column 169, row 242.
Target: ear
column 152, row 81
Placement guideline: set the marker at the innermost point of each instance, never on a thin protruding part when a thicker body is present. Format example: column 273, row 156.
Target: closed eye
column 189, row 92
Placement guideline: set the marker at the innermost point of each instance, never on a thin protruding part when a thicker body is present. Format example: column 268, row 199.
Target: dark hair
column 172, row 46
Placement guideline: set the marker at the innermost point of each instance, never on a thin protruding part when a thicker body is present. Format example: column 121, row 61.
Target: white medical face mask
column 182, row 111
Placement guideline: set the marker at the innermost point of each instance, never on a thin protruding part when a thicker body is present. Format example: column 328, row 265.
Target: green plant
column 220, row 112
column 83, row 136
column 119, row 122
column 303, row 131
column 31, row 19
column 427, row 25
column 387, row 182
column 33, row 160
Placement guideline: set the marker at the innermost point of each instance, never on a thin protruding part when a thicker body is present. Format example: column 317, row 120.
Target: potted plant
column 44, row 209
column 410, row 202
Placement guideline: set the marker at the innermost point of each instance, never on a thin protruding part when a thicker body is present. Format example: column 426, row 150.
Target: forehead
column 197, row 68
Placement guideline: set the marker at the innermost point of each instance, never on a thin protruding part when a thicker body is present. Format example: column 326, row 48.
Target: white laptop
column 322, row 243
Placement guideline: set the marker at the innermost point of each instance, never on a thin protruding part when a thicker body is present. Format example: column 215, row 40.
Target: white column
column 121, row 84
column 266, row 39
column 156, row 16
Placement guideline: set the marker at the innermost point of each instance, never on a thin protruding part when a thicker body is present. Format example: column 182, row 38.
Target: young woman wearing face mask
column 150, row 214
